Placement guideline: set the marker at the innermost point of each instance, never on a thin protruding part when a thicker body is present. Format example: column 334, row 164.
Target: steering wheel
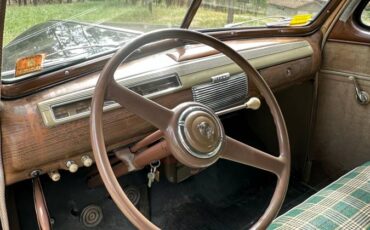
column 188, row 143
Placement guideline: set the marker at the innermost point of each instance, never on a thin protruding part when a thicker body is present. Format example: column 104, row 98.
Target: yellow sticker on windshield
column 29, row 64
column 300, row 19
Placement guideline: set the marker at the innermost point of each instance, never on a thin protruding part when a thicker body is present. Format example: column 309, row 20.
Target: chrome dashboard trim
column 190, row 72
column 346, row 74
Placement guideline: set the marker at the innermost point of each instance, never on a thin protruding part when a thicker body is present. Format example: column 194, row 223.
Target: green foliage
column 122, row 13
column 259, row 3
column 18, row 19
column 365, row 16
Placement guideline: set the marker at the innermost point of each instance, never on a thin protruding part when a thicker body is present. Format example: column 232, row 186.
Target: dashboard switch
column 86, row 161
column 72, row 166
column 54, row 175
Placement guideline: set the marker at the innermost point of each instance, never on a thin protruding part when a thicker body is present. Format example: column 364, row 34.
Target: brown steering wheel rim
column 131, row 100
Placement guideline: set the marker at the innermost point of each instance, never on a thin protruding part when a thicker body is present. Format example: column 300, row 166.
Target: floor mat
column 66, row 200
column 224, row 196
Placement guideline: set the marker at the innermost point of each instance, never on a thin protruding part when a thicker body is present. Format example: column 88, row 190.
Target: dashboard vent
column 223, row 92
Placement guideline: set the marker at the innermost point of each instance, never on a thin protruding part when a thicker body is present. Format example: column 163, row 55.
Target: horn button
column 200, row 132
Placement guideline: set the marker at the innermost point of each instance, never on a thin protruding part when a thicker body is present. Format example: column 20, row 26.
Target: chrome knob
column 253, row 103
column 72, row 166
column 86, row 161
column 54, row 175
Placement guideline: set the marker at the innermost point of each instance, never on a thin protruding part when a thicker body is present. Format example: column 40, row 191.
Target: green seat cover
column 344, row 204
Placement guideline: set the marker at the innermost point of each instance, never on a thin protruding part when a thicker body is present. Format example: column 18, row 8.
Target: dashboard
column 45, row 130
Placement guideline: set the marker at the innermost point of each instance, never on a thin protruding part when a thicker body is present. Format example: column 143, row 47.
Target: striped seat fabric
column 344, row 204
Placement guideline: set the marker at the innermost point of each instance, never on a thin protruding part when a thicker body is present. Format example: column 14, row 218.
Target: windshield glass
column 44, row 35
column 68, row 31
column 256, row 13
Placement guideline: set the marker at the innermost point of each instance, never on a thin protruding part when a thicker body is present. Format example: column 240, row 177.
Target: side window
column 365, row 15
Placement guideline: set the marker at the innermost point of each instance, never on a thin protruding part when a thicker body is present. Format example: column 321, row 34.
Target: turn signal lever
column 361, row 96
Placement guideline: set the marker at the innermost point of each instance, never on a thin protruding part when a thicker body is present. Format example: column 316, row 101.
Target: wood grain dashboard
column 29, row 144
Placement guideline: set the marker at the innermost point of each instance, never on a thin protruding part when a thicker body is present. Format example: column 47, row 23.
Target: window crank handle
column 361, row 96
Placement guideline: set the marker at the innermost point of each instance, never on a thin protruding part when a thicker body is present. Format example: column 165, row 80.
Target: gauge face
column 82, row 107
column 60, row 112
column 70, row 109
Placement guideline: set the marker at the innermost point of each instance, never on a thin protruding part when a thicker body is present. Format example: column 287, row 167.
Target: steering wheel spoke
column 156, row 114
column 194, row 134
column 245, row 154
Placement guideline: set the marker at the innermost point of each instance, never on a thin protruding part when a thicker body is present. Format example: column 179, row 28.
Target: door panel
column 341, row 139
column 346, row 57
column 342, row 131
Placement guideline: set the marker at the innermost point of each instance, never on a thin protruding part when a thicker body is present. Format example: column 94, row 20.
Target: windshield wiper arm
column 77, row 58
column 237, row 24
column 83, row 47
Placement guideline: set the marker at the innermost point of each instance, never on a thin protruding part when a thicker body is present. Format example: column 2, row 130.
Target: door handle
column 361, row 96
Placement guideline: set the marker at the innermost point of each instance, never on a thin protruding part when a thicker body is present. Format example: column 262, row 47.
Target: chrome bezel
column 181, row 132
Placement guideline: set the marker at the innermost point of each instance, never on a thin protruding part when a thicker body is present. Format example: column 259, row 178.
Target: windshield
column 256, row 13
column 45, row 35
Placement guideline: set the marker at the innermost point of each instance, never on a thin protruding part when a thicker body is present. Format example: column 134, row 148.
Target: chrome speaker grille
column 223, row 92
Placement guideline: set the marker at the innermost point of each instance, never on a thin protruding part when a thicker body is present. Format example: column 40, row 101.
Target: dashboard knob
column 253, row 103
column 72, row 166
column 54, row 175
column 86, row 161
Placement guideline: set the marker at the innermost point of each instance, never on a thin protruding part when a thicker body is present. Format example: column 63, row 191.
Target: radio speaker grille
column 223, row 94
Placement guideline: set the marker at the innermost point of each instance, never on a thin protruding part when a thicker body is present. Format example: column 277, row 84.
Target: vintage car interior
column 258, row 122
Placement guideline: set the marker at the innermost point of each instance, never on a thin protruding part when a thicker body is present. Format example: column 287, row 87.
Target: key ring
column 155, row 164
